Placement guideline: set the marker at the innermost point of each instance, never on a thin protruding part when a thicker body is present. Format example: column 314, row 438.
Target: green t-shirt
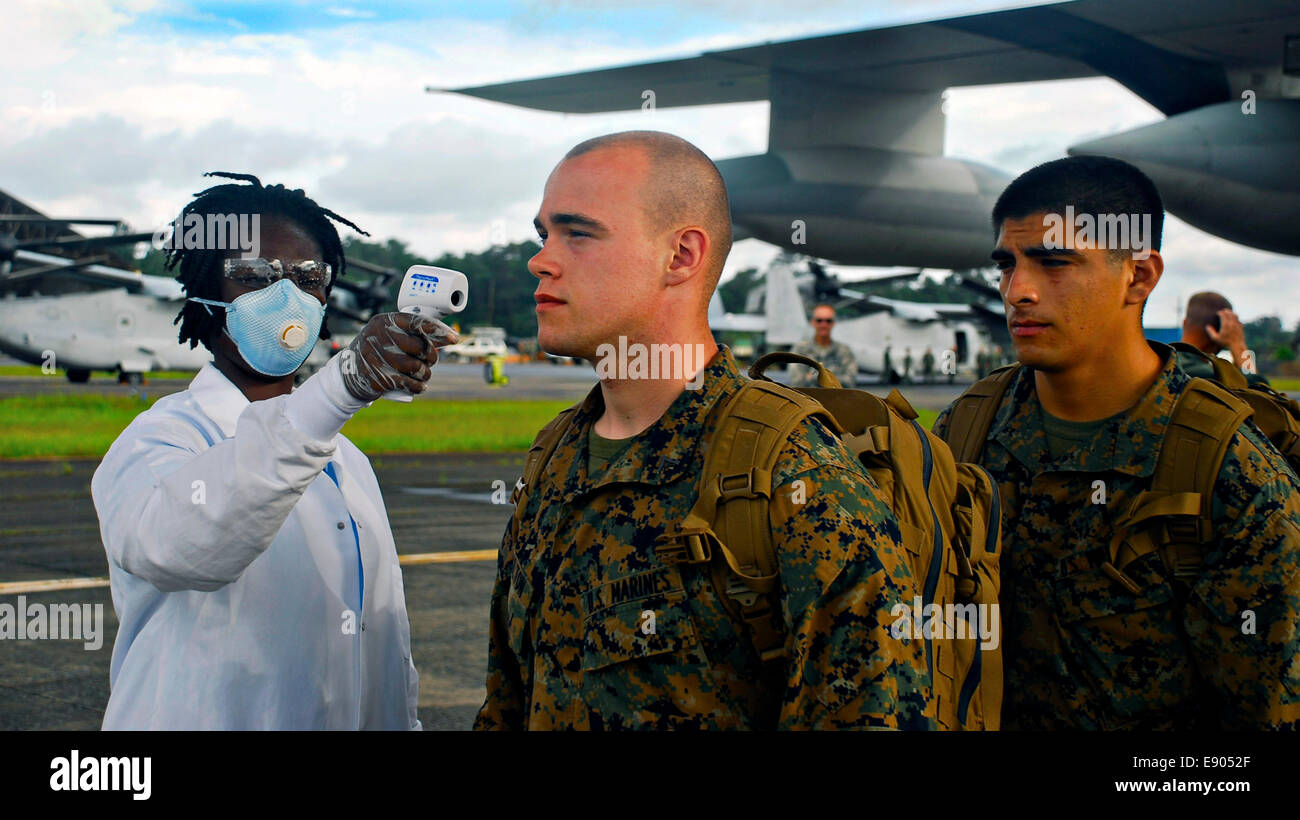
column 600, row 450
column 1064, row 435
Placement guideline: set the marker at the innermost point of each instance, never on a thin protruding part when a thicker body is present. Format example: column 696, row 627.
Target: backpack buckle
column 752, row 484
column 686, row 546
column 1183, row 529
column 738, row 591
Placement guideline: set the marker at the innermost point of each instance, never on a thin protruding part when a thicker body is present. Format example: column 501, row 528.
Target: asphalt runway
column 451, row 380
column 48, row 530
column 436, row 504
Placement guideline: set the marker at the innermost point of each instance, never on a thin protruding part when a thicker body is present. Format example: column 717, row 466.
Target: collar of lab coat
column 218, row 397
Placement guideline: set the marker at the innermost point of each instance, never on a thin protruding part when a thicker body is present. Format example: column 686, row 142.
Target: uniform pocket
column 644, row 667
column 1127, row 648
column 638, row 630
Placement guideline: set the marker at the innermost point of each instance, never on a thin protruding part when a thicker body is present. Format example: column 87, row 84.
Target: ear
column 690, row 251
column 1146, row 275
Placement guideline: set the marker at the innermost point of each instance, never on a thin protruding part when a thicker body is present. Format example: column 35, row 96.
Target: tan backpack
column 948, row 514
column 1173, row 516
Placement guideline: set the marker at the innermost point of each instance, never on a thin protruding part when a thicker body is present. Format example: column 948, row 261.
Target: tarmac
column 440, row 507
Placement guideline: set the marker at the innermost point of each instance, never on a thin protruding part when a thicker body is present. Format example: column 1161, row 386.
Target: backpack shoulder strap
column 1225, row 372
column 1176, row 510
column 1277, row 415
column 728, row 527
column 539, row 455
column 972, row 414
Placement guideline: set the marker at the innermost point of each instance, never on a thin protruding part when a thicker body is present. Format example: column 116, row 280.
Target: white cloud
column 349, row 13
column 99, row 166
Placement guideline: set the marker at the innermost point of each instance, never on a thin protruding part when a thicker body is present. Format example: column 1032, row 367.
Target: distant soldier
column 604, row 616
column 927, row 365
column 1211, row 326
column 887, row 374
column 907, row 365
column 1151, row 532
column 836, row 357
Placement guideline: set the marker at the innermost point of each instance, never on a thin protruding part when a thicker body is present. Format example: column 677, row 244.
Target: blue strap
column 361, row 574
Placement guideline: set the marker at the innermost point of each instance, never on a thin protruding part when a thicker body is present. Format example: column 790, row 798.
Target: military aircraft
column 854, row 170
column 868, row 323
column 62, row 308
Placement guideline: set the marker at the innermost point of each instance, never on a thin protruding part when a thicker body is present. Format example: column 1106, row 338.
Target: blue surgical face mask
column 275, row 327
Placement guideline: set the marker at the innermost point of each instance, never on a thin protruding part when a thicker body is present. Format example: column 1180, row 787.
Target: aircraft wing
column 1173, row 54
column 719, row 319
column 739, row 322
column 44, row 264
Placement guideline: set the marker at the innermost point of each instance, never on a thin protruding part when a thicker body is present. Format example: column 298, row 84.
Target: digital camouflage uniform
column 838, row 358
column 569, row 643
column 1081, row 652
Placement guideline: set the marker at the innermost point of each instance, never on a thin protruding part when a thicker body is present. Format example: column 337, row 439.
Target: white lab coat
column 234, row 571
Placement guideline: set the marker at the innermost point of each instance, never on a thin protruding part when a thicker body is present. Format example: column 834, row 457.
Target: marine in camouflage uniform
column 1081, row 652
column 591, row 629
column 838, row 358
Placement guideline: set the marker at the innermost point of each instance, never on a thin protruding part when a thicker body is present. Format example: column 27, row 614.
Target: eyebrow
column 579, row 220
column 1001, row 254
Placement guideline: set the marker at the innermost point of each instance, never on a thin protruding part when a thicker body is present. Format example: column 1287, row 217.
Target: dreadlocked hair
column 199, row 270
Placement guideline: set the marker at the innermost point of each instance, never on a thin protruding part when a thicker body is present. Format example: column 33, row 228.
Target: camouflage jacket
column 590, row 629
column 838, row 358
column 1082, row 652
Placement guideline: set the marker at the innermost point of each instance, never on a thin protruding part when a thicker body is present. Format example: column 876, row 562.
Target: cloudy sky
column 116, row 108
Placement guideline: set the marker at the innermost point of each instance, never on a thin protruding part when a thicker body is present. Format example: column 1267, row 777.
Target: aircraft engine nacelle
column 867, row 206
column 1231, row 173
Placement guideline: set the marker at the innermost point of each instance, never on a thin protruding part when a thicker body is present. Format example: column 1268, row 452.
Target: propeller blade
column 84, row 241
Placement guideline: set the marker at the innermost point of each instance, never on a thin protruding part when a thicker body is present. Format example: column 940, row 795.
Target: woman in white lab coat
column 253, row 570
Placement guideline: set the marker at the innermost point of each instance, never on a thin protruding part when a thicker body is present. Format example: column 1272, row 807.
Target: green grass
column 63, row 424
column 31, row 370
column 450, row 426
column 83, row 426
column 1286, row 385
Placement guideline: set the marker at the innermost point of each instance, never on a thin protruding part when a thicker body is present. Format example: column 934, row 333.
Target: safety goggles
column 258, row 273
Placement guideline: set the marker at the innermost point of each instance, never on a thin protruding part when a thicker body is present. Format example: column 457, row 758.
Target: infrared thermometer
column 432, row 292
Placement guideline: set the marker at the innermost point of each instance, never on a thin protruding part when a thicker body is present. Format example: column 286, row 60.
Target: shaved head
column 683, row 188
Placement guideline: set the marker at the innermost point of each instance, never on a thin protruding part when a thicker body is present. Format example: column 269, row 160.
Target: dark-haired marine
column 1103, row 632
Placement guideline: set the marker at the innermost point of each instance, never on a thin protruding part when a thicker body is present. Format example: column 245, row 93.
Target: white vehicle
column 479, row 344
